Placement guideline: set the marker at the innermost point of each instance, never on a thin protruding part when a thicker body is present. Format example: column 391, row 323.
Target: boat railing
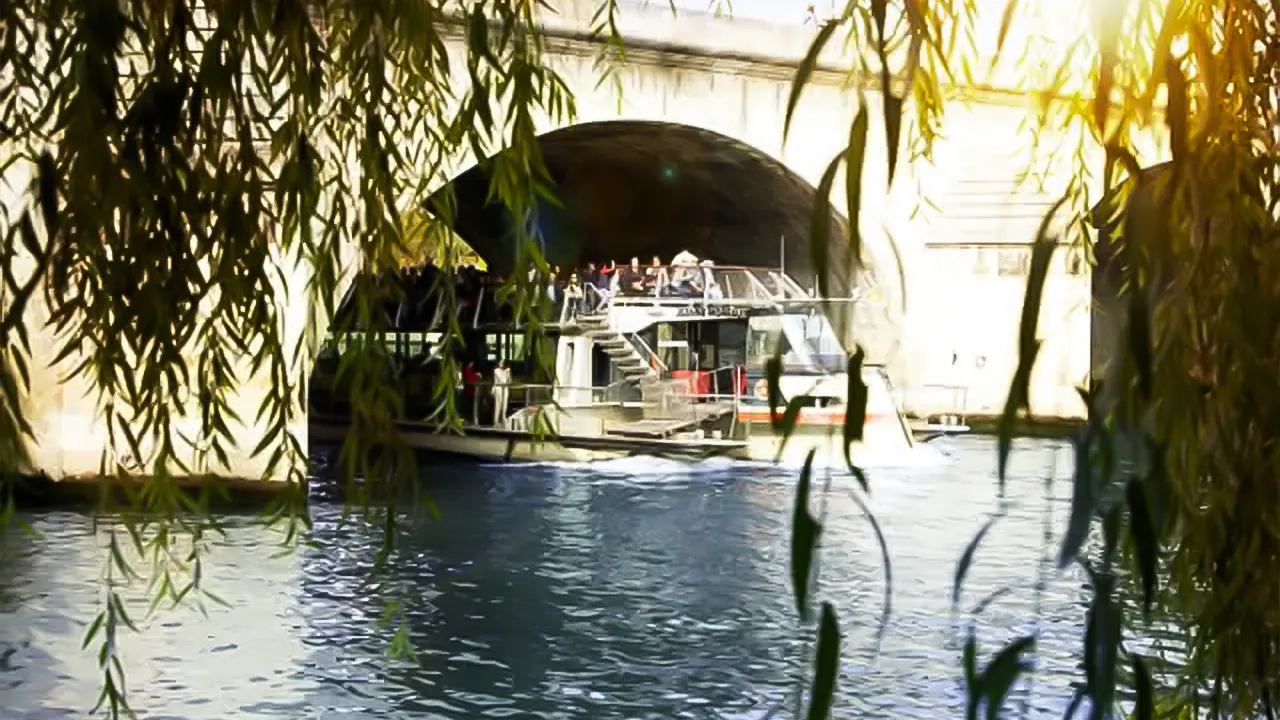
column 705, row 286
column 711, row 288
column 649, row 356
column 541, row 395
column 686, row 397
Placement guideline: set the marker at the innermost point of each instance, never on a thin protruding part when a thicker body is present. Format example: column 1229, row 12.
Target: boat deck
column 665, row 427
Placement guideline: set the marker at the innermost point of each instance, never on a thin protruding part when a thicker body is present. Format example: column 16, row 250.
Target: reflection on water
column 564, row 593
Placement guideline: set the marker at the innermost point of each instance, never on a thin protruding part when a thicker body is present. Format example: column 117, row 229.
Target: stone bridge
column 691, row 155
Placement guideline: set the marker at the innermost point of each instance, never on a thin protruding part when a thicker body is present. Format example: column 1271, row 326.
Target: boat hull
column 485, row 444
column 510, row 446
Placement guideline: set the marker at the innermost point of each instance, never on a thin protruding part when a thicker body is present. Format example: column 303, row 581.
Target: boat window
column 674, row 354
column 491, row 348
column 732, row 343
column 806, row 340
column 764, row 338
column 516, row 348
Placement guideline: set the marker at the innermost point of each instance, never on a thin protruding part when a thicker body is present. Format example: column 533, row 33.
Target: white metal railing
column 708, row 287
column 648, row 355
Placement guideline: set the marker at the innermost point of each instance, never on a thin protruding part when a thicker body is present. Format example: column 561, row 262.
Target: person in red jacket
column 470, row 378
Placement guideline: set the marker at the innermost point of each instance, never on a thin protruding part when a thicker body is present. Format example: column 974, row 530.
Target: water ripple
column 629, row 590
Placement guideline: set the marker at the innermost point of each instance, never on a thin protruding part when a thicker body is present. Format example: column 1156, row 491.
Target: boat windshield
column 806, row 340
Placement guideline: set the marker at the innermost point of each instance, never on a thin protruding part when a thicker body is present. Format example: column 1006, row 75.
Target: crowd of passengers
column 581, row 291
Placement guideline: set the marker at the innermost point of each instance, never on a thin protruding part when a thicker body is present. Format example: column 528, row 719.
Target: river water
column 635, row 589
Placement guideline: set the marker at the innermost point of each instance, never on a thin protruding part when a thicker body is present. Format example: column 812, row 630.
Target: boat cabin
column 663, row 353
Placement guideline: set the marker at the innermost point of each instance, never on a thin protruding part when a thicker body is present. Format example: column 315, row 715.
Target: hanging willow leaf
column 1170, row 26
column 820, row 226
column 993, row 684
column 1144, row 539
column 1110, row 534
column 966, row 558
column 1028, row 342
column 1140, row 339
column 1157, row 490
column 1006, row 20
column 773, row 382
column 805, row 71
column 887, row 612
column 1083, row 499
column 855, row 414
column 1076, row 698
column 1144, row 703
column 805, row 531
column 1176, row 113
column 893, row 130
column 827, row 667
column 855, row 157
column 1102, row 644
column 1107, row 20
column 999, row 677
column 972, row 683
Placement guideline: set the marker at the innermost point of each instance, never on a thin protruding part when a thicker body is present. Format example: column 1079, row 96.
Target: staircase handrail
column 648, row 355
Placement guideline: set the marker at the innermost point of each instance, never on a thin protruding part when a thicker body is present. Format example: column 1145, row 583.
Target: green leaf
column 1144, row 540
column 820, row 226
column 1076, row 698
column 855, row 157
column 1006, row 20
column 855, row 414
column 822, row 694
column 773, row 379
column 893, row 130
column 1082, row 503
column 966, row 558
column 92, row 632
column 49, row 181
column 1140, row 339
column 805, row 71
column 1143, row 705
column 969, row 662
column 1102, row 643
column 1110, row 533
column 1176, row 113
column 805, row 531
column 1003, row 672
column 1028, row 343
column 887, row 612
column 1159, row 502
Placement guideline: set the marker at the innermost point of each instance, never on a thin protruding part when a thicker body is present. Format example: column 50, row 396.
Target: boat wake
column 657, row 468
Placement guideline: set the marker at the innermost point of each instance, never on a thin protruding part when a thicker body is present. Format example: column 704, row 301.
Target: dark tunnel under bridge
column 644, row 189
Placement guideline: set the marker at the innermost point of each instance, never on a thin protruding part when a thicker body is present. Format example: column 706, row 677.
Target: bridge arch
column 643, row 188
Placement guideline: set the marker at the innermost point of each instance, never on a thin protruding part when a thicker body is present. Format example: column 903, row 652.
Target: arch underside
column 644, row 189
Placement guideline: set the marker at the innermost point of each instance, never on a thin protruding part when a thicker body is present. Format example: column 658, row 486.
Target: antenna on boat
column 782, row 254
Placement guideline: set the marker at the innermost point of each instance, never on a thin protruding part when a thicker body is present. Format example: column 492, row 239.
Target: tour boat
column 651, row 375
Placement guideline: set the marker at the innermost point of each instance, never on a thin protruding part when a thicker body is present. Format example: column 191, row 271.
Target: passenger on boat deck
column 470, row 379
column 501, row 390
column 632, row 279
column 590, row 277
column 574, row 296
column 606, row 287
column 553, row 284
column 683, row 271
column 710, row 288
column 655, row 277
